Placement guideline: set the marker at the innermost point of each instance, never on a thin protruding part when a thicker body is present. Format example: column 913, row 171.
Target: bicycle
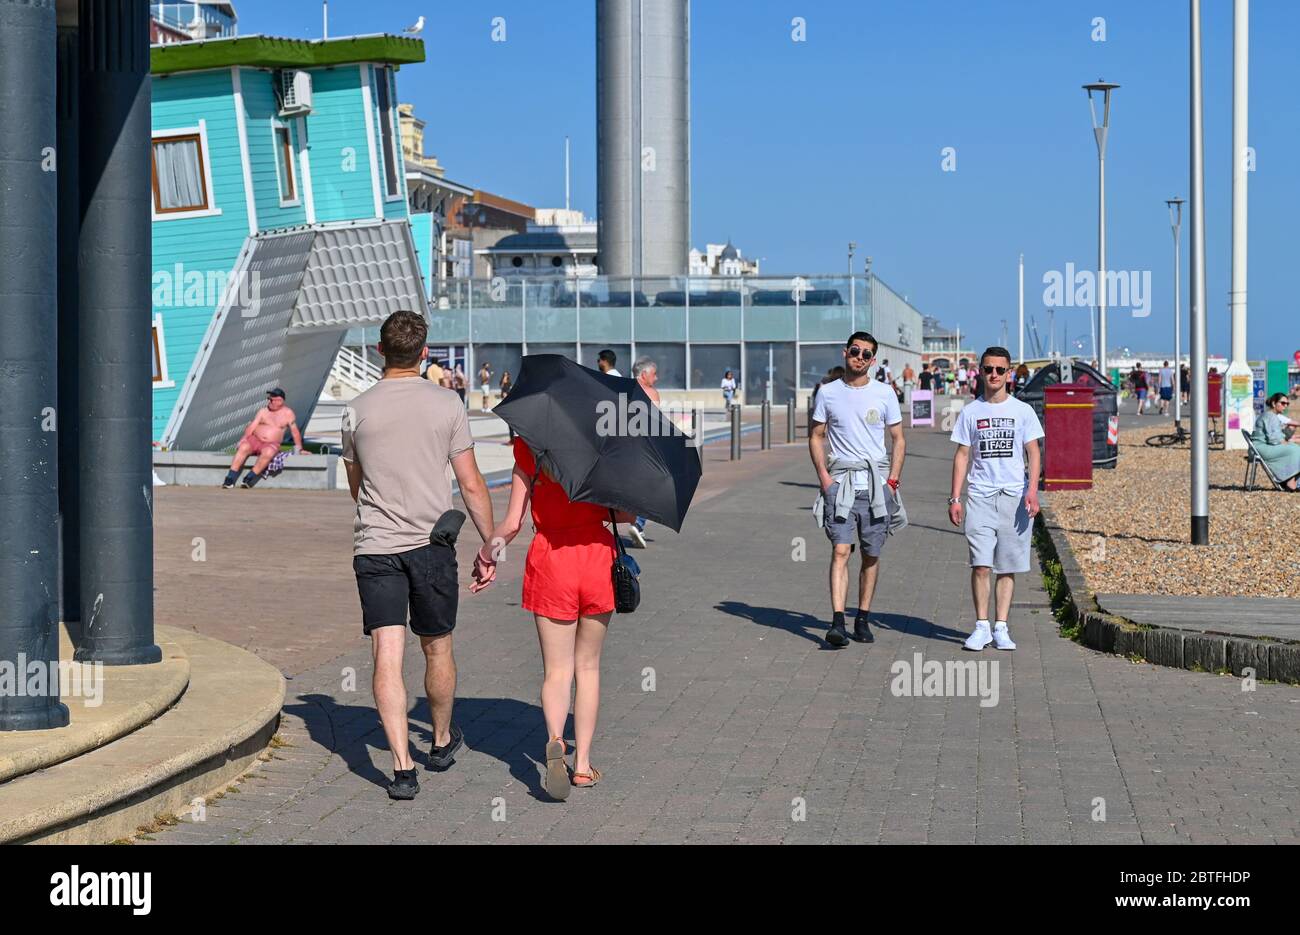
column 1181, row 436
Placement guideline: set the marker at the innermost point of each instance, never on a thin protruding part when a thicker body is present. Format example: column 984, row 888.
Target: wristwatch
column 952, row 500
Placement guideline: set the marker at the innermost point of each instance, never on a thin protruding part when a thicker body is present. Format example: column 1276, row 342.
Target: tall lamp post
column 1200, row 378
column 1176, row 223
column 853, row 299
column 1100, row 131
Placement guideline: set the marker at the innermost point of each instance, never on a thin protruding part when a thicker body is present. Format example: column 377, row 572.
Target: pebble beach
column 1130, row 532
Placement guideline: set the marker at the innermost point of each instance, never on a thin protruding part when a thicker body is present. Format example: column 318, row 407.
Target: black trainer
column 836, row 635
column 861, row 631
column 404, row 784
column 441, row 758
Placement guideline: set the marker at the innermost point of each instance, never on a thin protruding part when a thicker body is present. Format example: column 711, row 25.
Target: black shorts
column 422, row 580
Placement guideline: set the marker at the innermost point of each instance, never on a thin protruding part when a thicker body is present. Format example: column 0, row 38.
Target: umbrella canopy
column 602, row 439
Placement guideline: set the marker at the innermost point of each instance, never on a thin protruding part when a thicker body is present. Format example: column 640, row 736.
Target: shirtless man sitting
column 262, row 438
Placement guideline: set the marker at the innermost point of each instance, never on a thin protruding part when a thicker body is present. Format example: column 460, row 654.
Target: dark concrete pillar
column 28, row 393
column 68, row 327
column 115, row 262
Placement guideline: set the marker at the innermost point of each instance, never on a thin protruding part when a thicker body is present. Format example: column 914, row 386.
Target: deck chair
column 1254, row 462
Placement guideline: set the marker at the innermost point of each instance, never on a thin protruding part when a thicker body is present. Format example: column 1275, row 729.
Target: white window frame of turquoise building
column 164, row 381
column 202, row 132
column 385, row 74
column 277, row 125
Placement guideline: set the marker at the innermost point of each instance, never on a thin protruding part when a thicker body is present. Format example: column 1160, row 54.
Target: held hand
column 1031, row 503
column 954, row 514
column 484, row 574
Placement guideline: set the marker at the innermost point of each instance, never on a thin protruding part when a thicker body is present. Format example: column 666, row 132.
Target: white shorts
column 998, row 531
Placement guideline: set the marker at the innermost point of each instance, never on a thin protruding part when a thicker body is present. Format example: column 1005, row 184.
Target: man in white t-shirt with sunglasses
column 858, row 478
column 996, row 436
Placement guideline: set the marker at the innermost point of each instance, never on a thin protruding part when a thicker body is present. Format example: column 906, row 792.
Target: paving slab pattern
column 755, row 731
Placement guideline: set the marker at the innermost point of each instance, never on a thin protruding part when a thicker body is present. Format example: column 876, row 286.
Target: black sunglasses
column 862, row 352
column 999, row 370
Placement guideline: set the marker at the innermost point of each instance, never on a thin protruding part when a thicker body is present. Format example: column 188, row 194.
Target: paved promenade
column 755, row 731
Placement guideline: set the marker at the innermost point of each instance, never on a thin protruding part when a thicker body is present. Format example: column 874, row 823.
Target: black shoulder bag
column 627, row 590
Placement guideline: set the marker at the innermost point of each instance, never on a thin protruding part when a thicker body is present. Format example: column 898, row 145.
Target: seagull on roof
column 419, row 25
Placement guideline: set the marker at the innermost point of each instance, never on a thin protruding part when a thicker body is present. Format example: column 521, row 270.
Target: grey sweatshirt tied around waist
column 852, row 474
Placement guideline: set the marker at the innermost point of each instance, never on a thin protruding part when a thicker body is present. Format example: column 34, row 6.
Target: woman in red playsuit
column 568, row 588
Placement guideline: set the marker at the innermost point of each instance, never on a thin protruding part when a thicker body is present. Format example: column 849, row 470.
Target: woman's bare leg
column 557, row 640
column 586, row 701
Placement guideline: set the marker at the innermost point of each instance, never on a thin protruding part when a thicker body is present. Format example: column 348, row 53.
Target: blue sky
column 800, row 147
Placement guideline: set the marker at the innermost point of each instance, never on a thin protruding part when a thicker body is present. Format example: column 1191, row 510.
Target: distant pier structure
column 643, row 137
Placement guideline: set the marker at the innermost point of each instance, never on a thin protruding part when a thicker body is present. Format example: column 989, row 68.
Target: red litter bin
column 1067, row 459
column 1214, row 395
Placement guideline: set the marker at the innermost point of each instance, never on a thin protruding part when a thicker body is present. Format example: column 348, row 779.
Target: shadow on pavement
column 504, row 728
column 916, row 626
column 796, row 622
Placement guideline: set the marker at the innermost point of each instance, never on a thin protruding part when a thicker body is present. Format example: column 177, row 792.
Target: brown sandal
column 557, row 771
column 588, row 779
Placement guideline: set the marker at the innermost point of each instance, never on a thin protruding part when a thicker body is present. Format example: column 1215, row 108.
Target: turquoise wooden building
column 279, row 221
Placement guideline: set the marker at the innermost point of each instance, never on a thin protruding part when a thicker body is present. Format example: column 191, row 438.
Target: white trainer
column 638, row 540
column 980, row 637
column 1001, row 638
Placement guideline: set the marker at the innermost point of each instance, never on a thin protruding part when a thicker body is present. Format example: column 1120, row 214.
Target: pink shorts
column 259, row 447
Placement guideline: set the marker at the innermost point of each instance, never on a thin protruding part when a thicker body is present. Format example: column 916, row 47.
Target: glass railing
column 679, row 309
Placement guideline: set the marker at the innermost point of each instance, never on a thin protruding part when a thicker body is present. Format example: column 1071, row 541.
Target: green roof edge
column 271, row 52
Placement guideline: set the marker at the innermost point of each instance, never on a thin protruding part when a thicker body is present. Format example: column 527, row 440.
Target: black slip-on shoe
column 862, row 631
column 404, row 785
column 442, row 757
column 837, row 636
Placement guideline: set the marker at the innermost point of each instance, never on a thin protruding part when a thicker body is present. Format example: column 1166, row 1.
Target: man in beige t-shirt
column 399, row 437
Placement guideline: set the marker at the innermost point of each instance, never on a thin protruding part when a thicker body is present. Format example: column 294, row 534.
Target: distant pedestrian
column 1184, row 382
column 605, row 362
column 433, row 373
column 996, row 436
column 263, row 437
column 646, row 373
column 728, row 389
column 1166, row 387
column 399, row 436
column 835, row 373
column 927, row 378
column 857, row 478
column 459, row 382
column 485, row 385
column 1138, row 380
column 506, row 385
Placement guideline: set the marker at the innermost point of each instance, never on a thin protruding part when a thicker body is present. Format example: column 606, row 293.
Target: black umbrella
column 602, row 439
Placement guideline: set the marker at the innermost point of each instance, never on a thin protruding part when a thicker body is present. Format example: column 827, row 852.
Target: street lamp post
column 853, row 299
column 1200, row 378
column 1176, row 222
column 1100, row 131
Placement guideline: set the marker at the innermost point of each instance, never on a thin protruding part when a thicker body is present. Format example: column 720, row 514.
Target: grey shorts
column 858, row 524
column 998, row 531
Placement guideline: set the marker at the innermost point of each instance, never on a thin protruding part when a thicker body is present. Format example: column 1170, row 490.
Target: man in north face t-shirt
column 997, row 437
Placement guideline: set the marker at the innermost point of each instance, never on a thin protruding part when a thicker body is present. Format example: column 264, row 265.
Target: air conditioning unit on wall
column 295, row 93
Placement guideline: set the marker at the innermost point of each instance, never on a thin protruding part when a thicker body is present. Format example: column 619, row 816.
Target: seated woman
column 1281, row 456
